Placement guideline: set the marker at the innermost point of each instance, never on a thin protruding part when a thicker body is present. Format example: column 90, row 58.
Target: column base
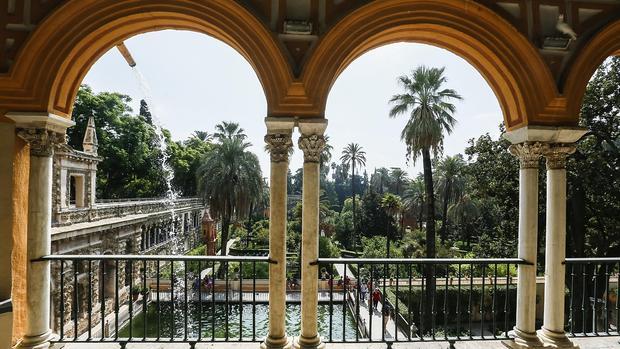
column 276, row 343
column 41, row 341
column 522, row 340
column 554, row 339
column 308, row 343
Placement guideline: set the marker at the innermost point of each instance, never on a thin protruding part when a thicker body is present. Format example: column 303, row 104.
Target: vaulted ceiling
column 535, row 19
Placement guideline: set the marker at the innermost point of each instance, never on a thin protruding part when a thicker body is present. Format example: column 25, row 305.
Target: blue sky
column 197, row 81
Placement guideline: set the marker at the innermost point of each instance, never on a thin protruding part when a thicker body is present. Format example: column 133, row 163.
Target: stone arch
column 513, row 68
column 604, row 44
column 54, row 61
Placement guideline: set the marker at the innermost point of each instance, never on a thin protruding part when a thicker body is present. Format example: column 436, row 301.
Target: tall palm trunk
column 353, row 194
column 444, row 213
column 223, row 243
column 430, row 237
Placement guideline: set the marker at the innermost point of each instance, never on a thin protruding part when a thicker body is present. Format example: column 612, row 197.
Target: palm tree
column 325, row 157
column 380, row 179
column 430, row 115
column 464, row 212
column 229, row 129
column 398, row 177
column 451, row 185
column 230, row 180
column 353, row 155
column 326, row 153
column 414, row 200
column 392, row 205
column 203, row 136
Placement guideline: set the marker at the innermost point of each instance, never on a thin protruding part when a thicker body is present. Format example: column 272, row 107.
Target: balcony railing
column 592, row 307
column 422, row 299
column 148, row 298
column 191, row 299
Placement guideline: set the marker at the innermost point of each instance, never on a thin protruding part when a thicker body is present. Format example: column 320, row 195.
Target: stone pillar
column 43, row 133
column 279, row 144
column 311, row 143
column 529, row 154
column 552, row 332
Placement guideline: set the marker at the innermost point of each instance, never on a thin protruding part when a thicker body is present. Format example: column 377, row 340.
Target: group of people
column 206, row 283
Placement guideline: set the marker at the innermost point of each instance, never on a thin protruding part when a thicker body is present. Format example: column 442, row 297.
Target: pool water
column 237, row 324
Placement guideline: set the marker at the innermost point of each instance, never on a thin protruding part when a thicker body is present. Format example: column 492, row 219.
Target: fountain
column 178, row 268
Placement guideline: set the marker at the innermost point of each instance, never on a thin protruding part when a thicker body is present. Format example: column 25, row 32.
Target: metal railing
column 592, row 307
column 150, row 298
column 407, row 300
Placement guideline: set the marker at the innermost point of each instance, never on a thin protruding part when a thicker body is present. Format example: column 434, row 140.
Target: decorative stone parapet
column 120, row 209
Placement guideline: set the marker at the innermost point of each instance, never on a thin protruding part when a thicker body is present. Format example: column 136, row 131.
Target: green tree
column 353, row 155
column 399, row 179
column 392, row 205
column 380, row 180
column 184, row 158
column 450, row 185
column 414, row 199
column 430, row 116
column 230, row 178
column 132, row 159
column 373, row 219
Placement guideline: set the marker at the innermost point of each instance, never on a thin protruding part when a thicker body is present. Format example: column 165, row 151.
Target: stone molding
column 312, row 145
column 557, row 153
column 279, row 146
column 42, row 141
column 529, row 153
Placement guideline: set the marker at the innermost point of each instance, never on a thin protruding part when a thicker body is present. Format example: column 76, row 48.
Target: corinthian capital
column 279, row 146
column 557, row 153
column 42, row 141
column 312, row 145
column 529, row 153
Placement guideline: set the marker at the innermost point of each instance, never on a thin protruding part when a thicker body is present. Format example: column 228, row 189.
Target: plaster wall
column 7, row 143
column 18, row 227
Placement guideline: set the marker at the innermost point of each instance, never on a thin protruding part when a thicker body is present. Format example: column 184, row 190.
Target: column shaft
column 311, row 143
column 552, row 332
column 279, row 145
column 310, row 252
column 38, row 332
column 277, row 252
column 525, row 328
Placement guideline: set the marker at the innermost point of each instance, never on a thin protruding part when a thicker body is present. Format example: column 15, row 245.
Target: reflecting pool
column 249, row 324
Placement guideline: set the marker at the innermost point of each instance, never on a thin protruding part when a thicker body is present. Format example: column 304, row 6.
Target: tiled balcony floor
column 583, row 343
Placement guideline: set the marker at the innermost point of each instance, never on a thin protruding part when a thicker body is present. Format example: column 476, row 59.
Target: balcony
column 195, row 300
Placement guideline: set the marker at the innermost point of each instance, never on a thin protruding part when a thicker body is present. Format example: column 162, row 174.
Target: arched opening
column 511, row 65
column 359, row 102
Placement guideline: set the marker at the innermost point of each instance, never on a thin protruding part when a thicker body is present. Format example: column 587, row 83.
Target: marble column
column 552, row 333
column 279, row 144
column 529, row 154
column 311, row 143
column 42, row 142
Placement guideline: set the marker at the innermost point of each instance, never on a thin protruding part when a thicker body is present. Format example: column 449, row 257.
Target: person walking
column 376, row 297
column 363, row 290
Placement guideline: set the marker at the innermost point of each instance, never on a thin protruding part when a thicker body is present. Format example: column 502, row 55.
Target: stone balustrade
column 121, row 208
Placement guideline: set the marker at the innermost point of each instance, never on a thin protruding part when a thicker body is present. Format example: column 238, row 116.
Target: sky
column 197, row 81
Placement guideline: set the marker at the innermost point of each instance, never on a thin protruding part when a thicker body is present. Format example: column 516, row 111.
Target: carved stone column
column 529, row 154
column 311, row 143
column 279, row 144
column 42, row 132
column 552, row 332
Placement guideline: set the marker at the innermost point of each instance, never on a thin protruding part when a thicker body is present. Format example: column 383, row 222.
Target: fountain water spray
column 171, row 195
